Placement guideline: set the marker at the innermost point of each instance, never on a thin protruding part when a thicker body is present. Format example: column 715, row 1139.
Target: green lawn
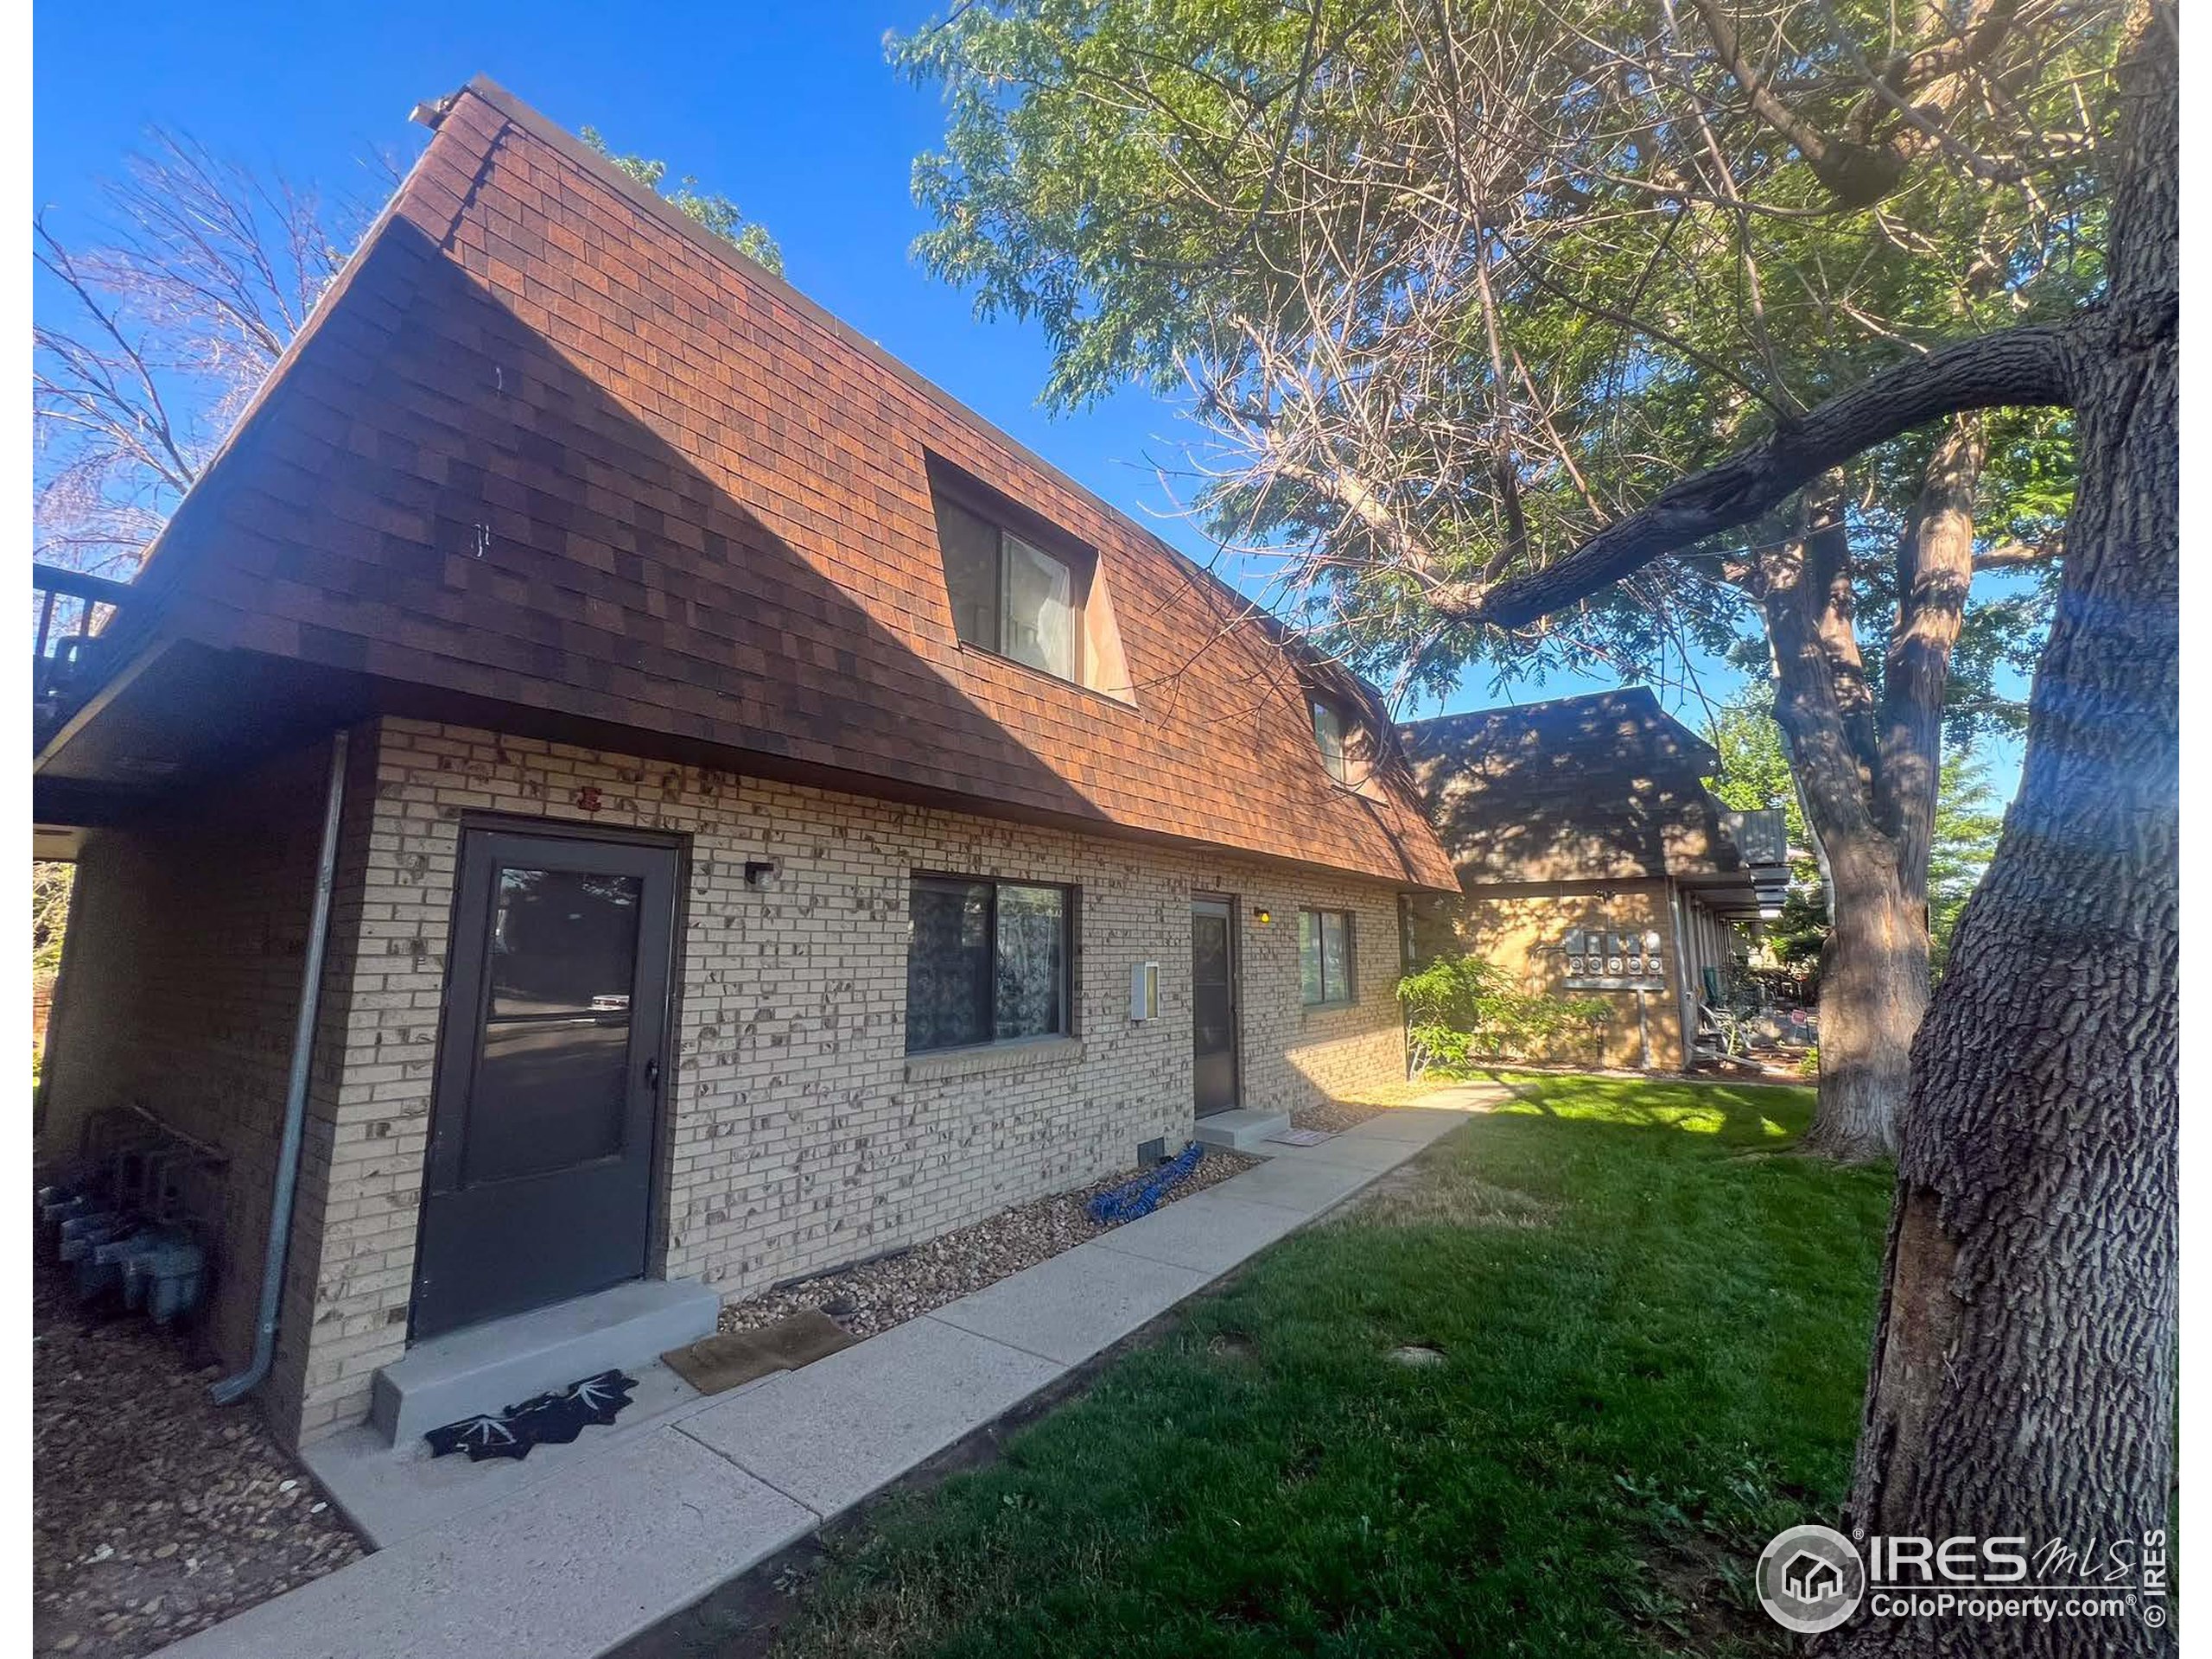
column 1655, row 1338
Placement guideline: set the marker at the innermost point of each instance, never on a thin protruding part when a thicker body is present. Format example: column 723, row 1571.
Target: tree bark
column 2023, row 1376
column 1874, row 992
column 1874, row 964
column 1935, row 569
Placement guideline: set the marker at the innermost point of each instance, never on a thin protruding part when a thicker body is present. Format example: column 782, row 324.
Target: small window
column 1329, row 732
column 1324, row 957
column 987, row 961
column 1009, row 595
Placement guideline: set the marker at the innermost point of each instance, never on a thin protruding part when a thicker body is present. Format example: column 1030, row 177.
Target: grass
column 1654, row 1345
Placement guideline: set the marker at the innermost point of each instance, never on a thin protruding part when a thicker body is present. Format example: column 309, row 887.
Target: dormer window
column 1329, row 732
column 1010, row 595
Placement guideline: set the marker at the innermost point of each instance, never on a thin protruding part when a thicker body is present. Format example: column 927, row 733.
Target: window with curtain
column 987, row 961
column 1324, row 956
column 1010, row 595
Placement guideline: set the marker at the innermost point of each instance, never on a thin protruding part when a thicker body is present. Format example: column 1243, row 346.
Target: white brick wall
column 796, row 1139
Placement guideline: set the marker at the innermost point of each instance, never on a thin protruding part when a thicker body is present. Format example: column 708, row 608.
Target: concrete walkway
column 572, row 1565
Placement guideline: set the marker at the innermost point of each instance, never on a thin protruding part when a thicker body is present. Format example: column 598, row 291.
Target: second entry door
column 1213, row 1004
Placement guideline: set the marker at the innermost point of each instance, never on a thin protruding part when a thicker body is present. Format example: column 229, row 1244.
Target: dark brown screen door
column 1213, row 1004
column 540, row 1174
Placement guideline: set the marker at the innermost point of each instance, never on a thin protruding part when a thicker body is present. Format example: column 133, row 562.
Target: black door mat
column 713, row 1363
column 550, row 1419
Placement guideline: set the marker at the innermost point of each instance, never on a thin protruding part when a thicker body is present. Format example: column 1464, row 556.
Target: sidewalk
column 570, row 1566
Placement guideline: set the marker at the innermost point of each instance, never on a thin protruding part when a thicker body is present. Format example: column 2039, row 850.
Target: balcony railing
column 73, row 609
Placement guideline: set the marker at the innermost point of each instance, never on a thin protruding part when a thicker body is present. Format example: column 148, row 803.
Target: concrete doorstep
column 577, row 1560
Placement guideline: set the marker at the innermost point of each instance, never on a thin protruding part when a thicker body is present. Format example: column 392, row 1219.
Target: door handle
column 652, row 1074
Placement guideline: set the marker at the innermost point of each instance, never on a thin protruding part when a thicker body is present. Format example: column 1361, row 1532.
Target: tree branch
column 2025, row 367
column 2020, row 555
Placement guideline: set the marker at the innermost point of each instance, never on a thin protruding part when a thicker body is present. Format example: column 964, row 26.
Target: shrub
column 1462, row 1012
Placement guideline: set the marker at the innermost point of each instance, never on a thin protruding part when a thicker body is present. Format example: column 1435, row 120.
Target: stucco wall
column 799, row 1135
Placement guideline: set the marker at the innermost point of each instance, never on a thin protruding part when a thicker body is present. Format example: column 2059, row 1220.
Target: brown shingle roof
column 1607, row 786
column 550, row 443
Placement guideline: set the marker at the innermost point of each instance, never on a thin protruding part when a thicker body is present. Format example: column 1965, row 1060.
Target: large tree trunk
column 1935, row 569
column 1874, row 965
column 1873, row 991
column 2022, row 1377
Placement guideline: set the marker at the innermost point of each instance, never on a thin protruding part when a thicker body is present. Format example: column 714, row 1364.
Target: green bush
column 1462, row 1012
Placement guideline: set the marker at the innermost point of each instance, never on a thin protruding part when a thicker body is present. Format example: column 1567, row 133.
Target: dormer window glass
column 1329, row 732
column 1010, row 595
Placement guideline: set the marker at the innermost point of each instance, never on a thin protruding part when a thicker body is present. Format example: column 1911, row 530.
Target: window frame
column 1008, row 518
column 1349, row 917
column 1339, row 766
column 1071, row 896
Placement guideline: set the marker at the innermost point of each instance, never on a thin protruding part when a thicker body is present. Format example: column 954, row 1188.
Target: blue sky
column 790, row 108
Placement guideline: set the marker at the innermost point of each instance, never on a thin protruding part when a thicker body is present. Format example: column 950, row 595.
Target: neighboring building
column 1593, row 861
column 782, row 818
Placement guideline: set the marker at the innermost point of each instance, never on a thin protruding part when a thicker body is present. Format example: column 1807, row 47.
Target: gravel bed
column 876, row 1295
column 1335, row 1116
column 155, row 1513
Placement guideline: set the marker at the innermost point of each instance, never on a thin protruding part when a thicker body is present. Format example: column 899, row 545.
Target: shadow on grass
column 1768, row 1117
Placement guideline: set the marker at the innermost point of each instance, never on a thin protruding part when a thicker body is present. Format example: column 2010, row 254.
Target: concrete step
column 487, row 1367
column 1241, row 1131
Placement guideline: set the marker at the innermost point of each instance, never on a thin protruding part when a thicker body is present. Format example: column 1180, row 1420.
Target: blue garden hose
column 1141, row 1197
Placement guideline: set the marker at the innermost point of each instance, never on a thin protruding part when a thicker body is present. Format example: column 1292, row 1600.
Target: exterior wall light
column 1263, row 915
column 761, row 875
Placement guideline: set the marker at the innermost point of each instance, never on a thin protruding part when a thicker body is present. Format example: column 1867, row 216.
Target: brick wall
column 1520, row 929
column 799, row 1135
column 182, row 971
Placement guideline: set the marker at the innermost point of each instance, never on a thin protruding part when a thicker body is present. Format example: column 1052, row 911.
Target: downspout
column 239, row 1384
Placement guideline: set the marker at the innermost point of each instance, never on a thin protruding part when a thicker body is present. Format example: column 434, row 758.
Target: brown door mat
column 713, row 1363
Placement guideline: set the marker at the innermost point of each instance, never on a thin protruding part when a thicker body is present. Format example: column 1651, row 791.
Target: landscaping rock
column 155, row 1512
column 876, row 1295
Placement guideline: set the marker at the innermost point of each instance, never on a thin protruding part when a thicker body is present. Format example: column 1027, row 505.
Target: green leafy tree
column 1511, row 325
column 1462, row 1011
column 1448, row 291
column 714, row 212
column 1755, row 774
column 1968, row 821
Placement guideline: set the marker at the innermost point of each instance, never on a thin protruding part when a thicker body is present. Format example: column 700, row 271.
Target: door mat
column 551, row 1419
column 713, row 1363
column 1301, row 1137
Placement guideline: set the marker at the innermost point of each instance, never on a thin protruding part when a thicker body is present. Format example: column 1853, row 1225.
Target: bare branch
column 194, row 280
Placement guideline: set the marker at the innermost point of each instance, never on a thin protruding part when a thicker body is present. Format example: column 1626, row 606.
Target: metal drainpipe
column 239, row 1384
